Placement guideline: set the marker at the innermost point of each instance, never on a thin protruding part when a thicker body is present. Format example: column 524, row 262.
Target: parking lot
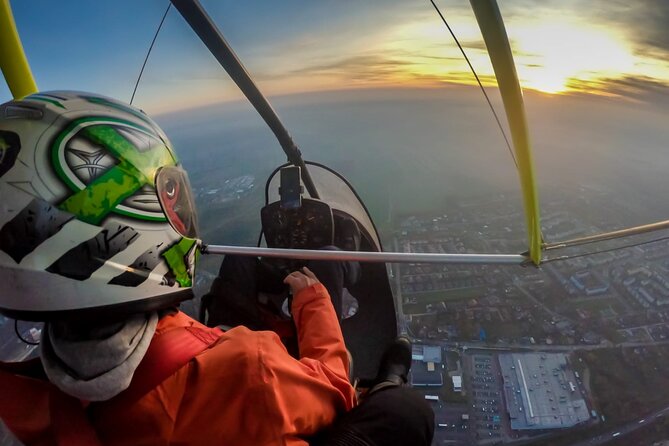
column 451, row 420
column 486, row 396
column 451, row 427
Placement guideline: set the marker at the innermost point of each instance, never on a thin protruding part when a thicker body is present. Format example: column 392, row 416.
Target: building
column 420, row 376
column 651, row 291
column 426, row 370
column 540, row 392
column 457, row 383
column 591, row 283
column 432, row 354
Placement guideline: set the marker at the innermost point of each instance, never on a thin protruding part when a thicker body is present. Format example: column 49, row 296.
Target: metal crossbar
column 360, row 256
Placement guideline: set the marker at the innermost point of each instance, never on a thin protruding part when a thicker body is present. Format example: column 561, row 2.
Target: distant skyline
column 603, row 47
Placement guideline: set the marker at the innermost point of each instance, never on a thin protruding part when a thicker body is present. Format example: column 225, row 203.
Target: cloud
column 646, row 21
column 406, row 43
column 637, row 88
column 390, row 67
column 361, row 67
column 473, row 44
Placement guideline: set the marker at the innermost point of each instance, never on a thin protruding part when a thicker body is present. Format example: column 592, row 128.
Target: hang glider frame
column 21, row 83
column 363, row 256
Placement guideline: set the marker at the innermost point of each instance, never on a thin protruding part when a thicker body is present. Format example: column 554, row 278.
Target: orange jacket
column 245, row 390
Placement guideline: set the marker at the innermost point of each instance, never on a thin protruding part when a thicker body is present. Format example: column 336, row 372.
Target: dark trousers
column 393, row 416
column 335, row 276
column 396, row 416
column 232, row 298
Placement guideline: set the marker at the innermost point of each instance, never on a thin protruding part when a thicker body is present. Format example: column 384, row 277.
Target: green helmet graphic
column 95, row 212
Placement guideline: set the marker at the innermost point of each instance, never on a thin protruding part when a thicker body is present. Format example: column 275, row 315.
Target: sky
column 612, row 48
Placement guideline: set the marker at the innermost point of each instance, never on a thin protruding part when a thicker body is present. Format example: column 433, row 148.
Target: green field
column 626, row 385
column 628, row 382
column 429, row 297
column 597, row 305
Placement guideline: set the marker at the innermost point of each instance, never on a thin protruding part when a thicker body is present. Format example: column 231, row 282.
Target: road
column 547, row 348
column 626, row 429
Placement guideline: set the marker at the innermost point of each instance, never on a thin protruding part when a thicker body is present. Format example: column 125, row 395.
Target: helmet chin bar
column 107, row 312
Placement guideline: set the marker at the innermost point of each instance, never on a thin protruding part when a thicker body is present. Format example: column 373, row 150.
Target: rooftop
column 426, row 353
column 420, row 376
column 541, row 391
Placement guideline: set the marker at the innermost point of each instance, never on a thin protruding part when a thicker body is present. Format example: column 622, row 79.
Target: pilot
column 98, row 239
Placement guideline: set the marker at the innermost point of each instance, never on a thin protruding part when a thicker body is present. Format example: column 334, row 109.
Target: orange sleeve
column 302, row 397
column 256, row 393
column 319, row 334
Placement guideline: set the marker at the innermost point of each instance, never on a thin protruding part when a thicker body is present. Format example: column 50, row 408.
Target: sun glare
column 554, row 55
column 557, row 50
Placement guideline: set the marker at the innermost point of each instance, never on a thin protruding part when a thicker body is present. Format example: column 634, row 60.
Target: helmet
column 96, row 215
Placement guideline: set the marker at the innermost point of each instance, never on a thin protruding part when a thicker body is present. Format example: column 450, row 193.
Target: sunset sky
column 603, row 47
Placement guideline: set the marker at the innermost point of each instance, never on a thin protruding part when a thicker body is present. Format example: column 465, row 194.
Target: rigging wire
column 603, row 251
column 18, row 334
column 485, row 94
column 471, row 67
column 148, row 53
column 560, row 245
column 492, row 109
column 620, row 233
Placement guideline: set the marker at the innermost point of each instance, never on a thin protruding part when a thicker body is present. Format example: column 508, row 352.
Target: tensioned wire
column 483, row 90
column 485, row 94
column 497, row 120
column 464, row 54
column 148, row 53
column 602, row 251
column 636, row 230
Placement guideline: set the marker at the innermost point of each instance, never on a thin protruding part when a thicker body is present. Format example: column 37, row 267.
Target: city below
column 572, row 352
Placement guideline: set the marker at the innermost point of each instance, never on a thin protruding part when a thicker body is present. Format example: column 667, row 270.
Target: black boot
column 347, row 234
column 395, row 365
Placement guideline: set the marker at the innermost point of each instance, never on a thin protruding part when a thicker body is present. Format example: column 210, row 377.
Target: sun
column 555, row 57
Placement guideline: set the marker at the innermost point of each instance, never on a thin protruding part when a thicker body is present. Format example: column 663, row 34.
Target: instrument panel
column 310, row 226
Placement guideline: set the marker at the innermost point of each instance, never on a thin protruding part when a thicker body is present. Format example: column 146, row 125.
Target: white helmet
column 95, row 213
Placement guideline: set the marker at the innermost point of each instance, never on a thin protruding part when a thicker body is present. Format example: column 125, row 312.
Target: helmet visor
column 176, row 199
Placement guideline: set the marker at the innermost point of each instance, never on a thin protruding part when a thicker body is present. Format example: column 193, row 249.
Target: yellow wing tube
column 13, row 60
column 494, row 34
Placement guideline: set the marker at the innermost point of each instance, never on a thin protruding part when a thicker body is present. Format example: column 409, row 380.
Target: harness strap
column 69, row 422
column 167, row 353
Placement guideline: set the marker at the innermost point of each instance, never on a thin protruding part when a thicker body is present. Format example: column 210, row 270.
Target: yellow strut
column 13, row 60
column 494, row 34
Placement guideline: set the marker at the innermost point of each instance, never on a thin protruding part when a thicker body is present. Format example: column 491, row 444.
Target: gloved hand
column 299, row 280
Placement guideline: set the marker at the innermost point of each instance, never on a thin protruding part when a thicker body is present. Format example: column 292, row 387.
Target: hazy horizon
column 428, row 149
column 616, row 49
